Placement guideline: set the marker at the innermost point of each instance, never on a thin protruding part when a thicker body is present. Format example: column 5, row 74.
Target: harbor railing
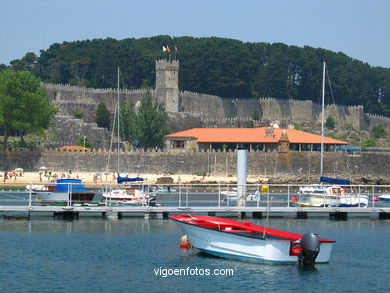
column 190, row 196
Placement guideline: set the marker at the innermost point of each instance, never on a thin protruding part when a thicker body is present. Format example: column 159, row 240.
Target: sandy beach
column 96, row 177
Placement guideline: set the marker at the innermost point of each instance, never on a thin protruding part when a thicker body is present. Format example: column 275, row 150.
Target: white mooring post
column 241, row 177
column 30, row 196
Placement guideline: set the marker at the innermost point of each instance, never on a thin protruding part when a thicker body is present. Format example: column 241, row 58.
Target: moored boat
column 246, row 241
column 232, row 195
column 330, row 196
column 62, row 191
column 384, row 197
column 131, row 194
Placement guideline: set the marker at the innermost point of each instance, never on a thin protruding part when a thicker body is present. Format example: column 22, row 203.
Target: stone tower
column 167, row 84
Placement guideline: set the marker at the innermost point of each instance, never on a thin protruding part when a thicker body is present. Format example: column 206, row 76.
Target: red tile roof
column 73, row 148
column 250, row 135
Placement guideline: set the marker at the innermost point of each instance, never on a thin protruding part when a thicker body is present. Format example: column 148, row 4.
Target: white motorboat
column 232, row 195
column 131, row 195
column 330, row 195
column 246, row 241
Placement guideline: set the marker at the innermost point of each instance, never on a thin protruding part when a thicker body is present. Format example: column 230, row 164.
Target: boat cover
column 74, row 185
column 335, row 180
column 131, row 179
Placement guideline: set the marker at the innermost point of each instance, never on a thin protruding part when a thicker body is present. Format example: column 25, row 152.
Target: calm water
column 90, row 255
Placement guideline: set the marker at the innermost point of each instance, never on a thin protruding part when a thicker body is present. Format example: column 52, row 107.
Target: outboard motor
column 310, row 248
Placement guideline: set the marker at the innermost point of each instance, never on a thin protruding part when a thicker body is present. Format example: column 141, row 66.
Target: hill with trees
column 224, row 67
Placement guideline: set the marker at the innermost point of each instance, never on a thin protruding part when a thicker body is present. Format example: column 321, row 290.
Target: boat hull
column 224, row 244
column 385, row 197
column 122, row 196
column 64, row 196
column 331, row 201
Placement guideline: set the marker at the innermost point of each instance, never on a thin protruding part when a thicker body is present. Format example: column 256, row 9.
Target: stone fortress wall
column 303, row 166
column 188, row 109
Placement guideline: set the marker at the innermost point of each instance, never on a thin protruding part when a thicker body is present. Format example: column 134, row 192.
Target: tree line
column 219, row 66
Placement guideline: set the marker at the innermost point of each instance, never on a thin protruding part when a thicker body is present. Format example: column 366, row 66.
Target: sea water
column 139, row 255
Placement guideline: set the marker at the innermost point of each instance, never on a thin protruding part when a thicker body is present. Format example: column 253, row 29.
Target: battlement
column 75, row 88
column 164, row 64
column 192, row 109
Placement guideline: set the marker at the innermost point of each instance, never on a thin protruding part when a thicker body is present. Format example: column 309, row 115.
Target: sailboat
column 136, row 193
column 335, row 195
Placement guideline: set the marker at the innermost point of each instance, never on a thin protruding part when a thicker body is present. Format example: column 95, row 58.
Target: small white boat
column 384, row 197
column 36, row 187
column 166, row 189
column 330, row 196
column 245, row 241
column 131, row 195
column 232, row 195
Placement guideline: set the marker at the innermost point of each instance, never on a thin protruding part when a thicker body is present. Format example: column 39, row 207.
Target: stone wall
column 68, row 98
column 269, row 164
column 69, row 130
column 214, row 111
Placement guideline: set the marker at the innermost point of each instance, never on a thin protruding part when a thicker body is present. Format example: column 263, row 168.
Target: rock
column 164, row 180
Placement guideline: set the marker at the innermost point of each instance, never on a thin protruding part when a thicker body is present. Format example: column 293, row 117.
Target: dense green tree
column 25, row 63
column 255, row 115
column 102, row 116
column 145, row 124
column 85, row 142
column 218, row 66
column 24, row 105
column 330, row 123
column 128, row 124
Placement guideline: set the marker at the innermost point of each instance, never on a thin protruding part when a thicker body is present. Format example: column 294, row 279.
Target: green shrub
column 78, row 113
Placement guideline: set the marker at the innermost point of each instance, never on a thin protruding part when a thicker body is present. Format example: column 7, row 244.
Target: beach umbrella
column 125, row 172
column 19, row 170
column 43, row 168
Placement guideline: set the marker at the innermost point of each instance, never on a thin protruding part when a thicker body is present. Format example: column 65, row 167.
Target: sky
column 358, row 28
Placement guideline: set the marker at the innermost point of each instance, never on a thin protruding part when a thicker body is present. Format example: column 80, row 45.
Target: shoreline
column 99, row 178
column 96, row 177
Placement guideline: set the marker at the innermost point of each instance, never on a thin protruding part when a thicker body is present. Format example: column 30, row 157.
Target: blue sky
column 359, row 28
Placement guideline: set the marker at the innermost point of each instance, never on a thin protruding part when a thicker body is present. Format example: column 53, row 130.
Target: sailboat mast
column 118, row 118
column 322, row 120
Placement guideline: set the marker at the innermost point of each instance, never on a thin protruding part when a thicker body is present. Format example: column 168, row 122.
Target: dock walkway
column 274, row 201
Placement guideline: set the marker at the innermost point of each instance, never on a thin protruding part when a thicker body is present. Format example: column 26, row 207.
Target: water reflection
column 121, row 255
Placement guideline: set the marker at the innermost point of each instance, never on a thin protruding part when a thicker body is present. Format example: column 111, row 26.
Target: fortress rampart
column 188, row 109
column 302, row 165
